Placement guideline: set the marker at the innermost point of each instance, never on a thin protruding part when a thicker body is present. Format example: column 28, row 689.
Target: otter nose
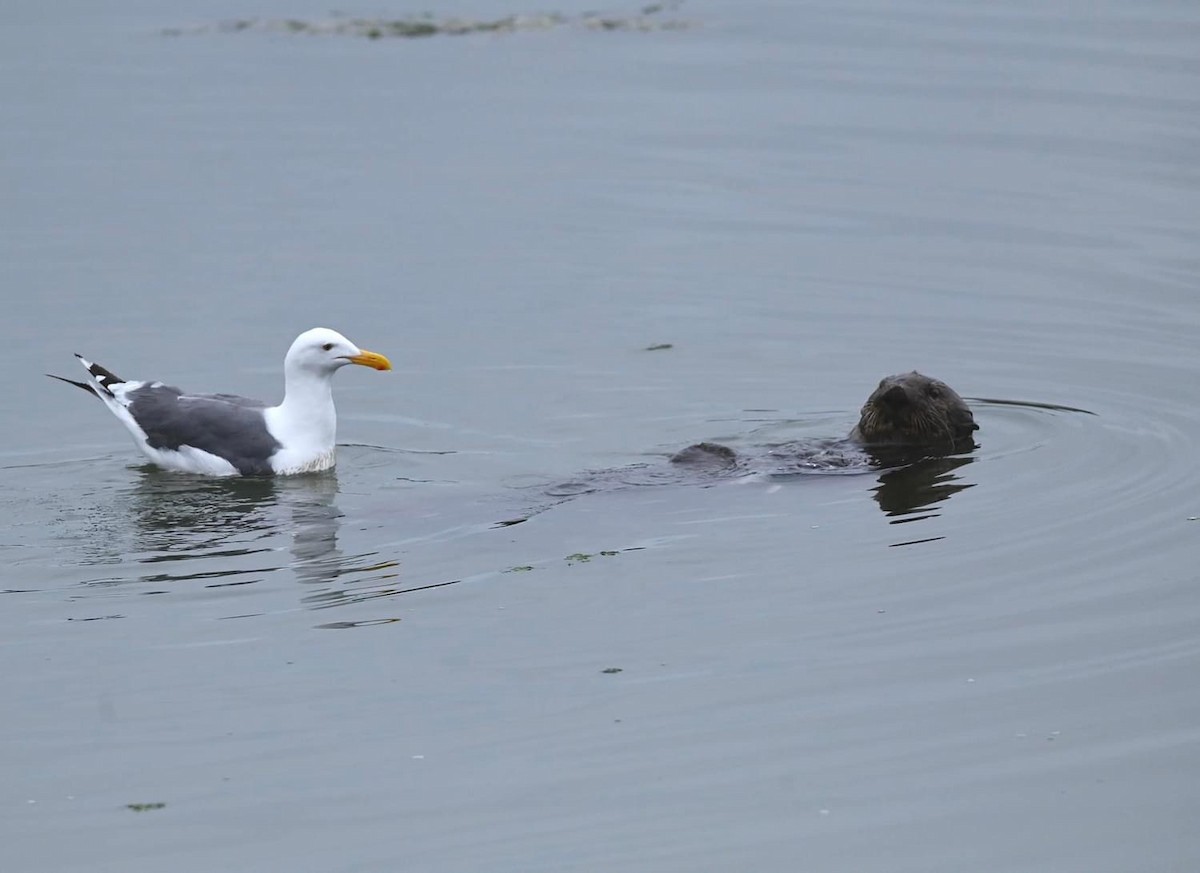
column 895, row 397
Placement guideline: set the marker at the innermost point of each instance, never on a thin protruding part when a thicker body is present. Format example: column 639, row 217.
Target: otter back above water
column 909, row 416
column 910, row 423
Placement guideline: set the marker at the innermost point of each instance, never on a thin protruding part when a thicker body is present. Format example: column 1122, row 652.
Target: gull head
column 322, row 351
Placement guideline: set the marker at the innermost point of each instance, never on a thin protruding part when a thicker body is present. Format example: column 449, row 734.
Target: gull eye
column 327, row 346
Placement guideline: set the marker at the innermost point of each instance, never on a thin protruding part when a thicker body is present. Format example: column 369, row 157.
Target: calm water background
column 364, row 672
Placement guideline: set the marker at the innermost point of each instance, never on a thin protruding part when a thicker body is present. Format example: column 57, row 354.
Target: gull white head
column 322, row 351
column 305, row 423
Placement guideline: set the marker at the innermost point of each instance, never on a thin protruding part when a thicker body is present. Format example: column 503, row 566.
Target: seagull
column 228, row 435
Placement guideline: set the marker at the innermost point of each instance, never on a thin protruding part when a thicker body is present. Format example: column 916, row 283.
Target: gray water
column 987, row 667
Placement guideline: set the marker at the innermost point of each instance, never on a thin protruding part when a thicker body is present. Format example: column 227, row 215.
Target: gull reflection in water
column 315, row 520
column 238, row 531
column 229, row 530
column 333, row 578
column 196, row 528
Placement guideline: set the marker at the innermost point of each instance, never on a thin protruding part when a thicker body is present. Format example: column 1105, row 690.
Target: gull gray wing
column 224, row 425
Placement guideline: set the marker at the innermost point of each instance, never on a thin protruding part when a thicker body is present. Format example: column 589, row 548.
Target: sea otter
column 908, row 412
column 911, row 409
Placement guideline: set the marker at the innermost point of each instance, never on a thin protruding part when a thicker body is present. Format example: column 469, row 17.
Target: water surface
column 986, row 665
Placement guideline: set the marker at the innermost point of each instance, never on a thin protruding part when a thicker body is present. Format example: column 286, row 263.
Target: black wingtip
column 84, row 385
column 104, row 379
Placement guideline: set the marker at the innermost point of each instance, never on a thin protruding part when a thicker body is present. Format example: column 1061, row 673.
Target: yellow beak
column 371, row 359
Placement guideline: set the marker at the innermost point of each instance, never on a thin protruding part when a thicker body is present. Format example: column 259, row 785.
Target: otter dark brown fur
column 906, row 411
column 911, row 409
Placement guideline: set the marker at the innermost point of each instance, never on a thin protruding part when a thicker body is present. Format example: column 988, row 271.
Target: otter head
column 912, row 409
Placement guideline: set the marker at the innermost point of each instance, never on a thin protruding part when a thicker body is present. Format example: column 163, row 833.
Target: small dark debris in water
column 659, row 347
column 584, row 557
column 418, row 29
column 648, row 18
column 510, row 522
column 915, row 542
column 524, row 568
column 96, row 618
column 343, row 625
column 144, row 807
column 232, row 584
column 612, row 670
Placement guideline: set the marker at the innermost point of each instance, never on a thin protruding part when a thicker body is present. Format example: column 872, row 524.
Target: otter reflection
column 909, row 481
column 908, row 490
